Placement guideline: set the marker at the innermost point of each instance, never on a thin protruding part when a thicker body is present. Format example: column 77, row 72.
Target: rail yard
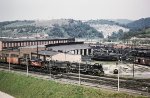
column 115, row 66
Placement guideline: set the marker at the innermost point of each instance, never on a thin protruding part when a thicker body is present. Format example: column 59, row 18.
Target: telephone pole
column 9, row 61
column 79, row 74
column 37, row 45
column 27, row 65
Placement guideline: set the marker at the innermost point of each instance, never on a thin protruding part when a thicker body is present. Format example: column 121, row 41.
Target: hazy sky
column 76, row 9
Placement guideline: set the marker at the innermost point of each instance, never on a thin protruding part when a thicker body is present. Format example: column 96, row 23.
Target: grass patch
column 21, row 86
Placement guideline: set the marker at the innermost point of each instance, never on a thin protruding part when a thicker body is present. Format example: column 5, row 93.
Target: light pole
column 134, row 59
column 118, row 71
column 118, row 75
column 79, row 74
column 65, row 55
column 37, row 45
column 50, row 60
column 27, row 65
column 9, row 61
column 133, row 67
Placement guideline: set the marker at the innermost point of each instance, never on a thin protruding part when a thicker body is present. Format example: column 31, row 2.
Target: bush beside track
column 21, row 86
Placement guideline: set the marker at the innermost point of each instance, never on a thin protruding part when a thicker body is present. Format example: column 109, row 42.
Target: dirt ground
column 126, row 69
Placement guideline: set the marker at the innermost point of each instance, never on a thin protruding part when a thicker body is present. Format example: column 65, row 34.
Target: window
column 14, row 55
column 26, row 55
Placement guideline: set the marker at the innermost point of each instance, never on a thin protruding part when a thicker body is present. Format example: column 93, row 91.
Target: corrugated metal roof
column 47, row 53
column 34, row 46
column 66, row 48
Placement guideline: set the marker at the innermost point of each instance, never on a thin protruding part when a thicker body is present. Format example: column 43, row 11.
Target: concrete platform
column 4, row 95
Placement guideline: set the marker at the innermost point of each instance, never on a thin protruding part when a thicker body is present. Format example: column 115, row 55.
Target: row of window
column 20, row 44
column 11, row 55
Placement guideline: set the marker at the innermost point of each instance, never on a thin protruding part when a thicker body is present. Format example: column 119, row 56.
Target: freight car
column 138, row 53
column 55, row 67
column 3, row 59
column 11, row 60
column 141, row 57
column 142, row 61
column 105, row 57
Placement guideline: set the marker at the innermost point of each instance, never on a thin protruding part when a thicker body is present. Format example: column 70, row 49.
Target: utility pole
column 118, row 76
column 134, row 59
column 27, row 65
column 79, row 74
column 37, row 44
column 118, row 72
column 9, row 61
column 65, row 55
column 50, row 60
column 133, row 69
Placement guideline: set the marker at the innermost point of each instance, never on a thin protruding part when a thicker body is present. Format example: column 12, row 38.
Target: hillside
column 58, row 28
column 122, row 21
column 102, row 22
column 140, row 24
column 138, row 28
column 48, row 28
column 145, row 33
column 106, row 27
column 21, row 86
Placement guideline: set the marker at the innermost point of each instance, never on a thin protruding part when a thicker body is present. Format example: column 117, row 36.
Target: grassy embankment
column 21, row 86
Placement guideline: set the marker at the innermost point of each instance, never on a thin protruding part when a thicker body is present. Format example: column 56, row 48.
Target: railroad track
column 138, row 85
column 143, row 87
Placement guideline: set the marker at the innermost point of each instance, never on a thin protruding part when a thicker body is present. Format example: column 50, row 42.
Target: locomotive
column 54, row 67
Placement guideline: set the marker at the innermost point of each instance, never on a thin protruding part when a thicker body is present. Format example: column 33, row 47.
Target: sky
column 73, row 9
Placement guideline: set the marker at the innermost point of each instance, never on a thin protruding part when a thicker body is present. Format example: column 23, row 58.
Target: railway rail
column 139, row 85
column 134, row 84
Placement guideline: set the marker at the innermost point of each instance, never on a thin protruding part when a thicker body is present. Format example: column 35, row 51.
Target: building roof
column 33, row 39
column 66, row 48
column 34, row 46
column 47, row 53
column 68, row 43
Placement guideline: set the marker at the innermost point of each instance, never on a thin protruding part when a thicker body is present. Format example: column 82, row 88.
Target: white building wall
column 79, row 52
column 87, row 51
column 42, row 58
column 82, row 51
column 72, row 52
column 75, row 51
column 92, row 51
column 67, row 57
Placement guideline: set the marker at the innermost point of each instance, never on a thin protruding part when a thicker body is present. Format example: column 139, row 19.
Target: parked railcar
column 13, row 60
column 56, row 67
column 3, row 59
column 142, row 61
column 104, row 57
